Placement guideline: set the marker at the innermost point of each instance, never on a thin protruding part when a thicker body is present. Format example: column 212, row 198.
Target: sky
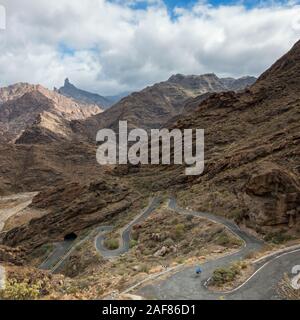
column 114, row 46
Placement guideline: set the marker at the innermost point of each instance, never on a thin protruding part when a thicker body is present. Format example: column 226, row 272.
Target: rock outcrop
column 274, row 197
column 11, row 255
column 70, row 91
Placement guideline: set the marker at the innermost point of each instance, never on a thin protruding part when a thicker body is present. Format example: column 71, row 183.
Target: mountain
column 69, row 90
column 24, row 105
column 211, row 83
column 238, row 84
column 157, row 104
column 252, row 174
column 14, row 91
column 252, row 153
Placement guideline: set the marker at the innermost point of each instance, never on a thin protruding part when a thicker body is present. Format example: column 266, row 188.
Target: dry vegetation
column 31, row 284
column 286, row 291
column 227, row 278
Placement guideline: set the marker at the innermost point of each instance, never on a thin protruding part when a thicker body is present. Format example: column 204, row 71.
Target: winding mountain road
column 60, row 250
column 262, row 284
column 125, row 233
column 183, row 284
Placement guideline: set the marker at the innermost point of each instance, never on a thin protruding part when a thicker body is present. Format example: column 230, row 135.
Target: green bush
column 179, row 230
column 132, row 243
column 169, row 242
column 277, row 237
column 15, row 290
column 225, row 239
column 135, row 235
column 112, row 244
column 225, row 275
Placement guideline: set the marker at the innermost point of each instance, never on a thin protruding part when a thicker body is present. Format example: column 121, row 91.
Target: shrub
column 225, row 275
column 179, row 230
column 135, row 235
column 144, row 268
column 277, row 237
column 15, row 290
column 242, row 265
column 112, row 244
column 132, row 243
column 250, row 255
column 237, row 214
column 225, row 239
column 169, row 242
column 175, row 221
column 189, row 218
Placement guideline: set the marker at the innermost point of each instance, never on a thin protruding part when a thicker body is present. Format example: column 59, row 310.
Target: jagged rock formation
column 69, row 90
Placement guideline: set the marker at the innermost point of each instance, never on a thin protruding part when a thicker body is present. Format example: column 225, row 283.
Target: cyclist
column 198, row 271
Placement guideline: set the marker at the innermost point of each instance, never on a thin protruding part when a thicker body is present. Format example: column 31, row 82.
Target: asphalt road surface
column 262, row 285
column 184, row 284
column 61, row 248
column 125, row 236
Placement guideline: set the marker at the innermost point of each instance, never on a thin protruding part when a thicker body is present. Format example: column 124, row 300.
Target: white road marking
column 258, row 270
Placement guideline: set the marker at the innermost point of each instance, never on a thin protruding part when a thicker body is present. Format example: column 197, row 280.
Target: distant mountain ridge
column 156, row 105
column 211, row 82
column 34, row 114
column 71, row 91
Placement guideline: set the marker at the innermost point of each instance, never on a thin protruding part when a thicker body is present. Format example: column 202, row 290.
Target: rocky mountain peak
column 71, row 91
column 67, row 83
column 286, row 71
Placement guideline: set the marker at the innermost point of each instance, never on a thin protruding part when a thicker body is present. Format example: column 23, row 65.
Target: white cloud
column 110, row 47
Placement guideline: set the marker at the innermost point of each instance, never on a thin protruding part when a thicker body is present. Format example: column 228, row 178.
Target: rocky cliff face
column 72, row 208
column 274, row 197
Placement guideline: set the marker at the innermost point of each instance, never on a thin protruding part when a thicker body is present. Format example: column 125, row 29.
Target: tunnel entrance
column 70, row 236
